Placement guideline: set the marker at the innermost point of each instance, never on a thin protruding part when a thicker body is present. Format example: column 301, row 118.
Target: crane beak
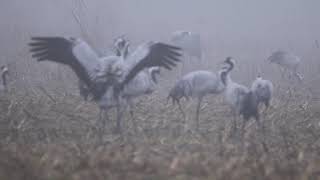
column 223, row 65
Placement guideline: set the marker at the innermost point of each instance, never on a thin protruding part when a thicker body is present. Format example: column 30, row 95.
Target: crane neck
column 153, row 74
column 4, row 78
column 123, row 52
column 225, row 74
column 225, row 78
column 231, row 66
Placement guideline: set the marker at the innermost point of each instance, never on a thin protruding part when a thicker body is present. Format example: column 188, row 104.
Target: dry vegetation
column 47, row 135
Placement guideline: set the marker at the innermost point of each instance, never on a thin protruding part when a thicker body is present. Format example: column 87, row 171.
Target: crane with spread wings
column 107, row 76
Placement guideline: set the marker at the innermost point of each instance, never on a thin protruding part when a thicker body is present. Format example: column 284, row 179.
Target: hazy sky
column 248, row 30
column 225, row 25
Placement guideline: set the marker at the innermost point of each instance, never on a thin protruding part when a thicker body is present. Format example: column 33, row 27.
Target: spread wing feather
column 151, row 55
column 75, row 53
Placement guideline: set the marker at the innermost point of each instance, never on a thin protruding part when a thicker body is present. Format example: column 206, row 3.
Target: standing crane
column 105, row 77
column 197, row 85
column 241, row 100
column 263, row 89
column 287, row 62
column 4, row 75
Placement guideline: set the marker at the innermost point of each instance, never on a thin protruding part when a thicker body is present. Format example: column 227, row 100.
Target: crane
column 197, row 85
column 105, row 77
column 241, row 99
column 4, row 75
column 287, row 62
column 263, row 89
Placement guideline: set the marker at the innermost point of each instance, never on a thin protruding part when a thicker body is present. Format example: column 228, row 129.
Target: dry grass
column 50, row 136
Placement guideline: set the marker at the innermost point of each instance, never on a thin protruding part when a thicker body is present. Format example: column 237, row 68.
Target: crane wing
column 150, row 55
column 75, row 53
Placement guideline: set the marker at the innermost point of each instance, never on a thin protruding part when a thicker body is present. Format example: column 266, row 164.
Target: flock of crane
column 114, row 81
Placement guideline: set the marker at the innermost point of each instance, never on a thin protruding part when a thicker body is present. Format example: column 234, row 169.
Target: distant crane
column 263, row 89
column 241, row 100
column 106, row 77
column 190, row 44
column 287, row 62
column 317, row 44
column 4, row 74
column 196, row 84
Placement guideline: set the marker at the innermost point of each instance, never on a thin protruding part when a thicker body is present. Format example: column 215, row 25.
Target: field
column 52, row 136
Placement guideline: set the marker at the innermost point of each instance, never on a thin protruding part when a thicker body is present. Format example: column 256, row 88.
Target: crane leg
column 234, row 122
column 182, row 112
column 134, row 124
column 243, row 127
column 101, row 122
column 132, row 119
column 267, row 105
column 282, row 72
column 130, row 105
column 197, row 113
column 260, row 124
column 297, row 74
column 119, row 118
column 100, row 117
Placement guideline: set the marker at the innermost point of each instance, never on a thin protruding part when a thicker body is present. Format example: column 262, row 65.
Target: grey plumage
column 84, row 91
column 121, row 48
column 181, row 89
column 196, row 84
column 143, row 84
column 4, row 75
column 288, row 62
column 240, row 98
column 104, row 76
column 263, row 90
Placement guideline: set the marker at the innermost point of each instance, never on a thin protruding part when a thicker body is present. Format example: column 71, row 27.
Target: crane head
column 230, row 62
column 121, row 45
column 4, row 70
column 153, row 72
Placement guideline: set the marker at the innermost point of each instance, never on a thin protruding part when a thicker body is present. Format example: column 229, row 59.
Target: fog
column 248, row 30
column 48, row 131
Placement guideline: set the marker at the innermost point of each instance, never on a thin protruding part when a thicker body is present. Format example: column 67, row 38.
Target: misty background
column 247, row 30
